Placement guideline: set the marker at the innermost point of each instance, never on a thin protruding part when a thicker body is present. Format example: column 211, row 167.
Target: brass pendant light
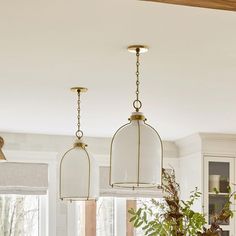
column 136, row 149
column 2, row 156
column 78, row 172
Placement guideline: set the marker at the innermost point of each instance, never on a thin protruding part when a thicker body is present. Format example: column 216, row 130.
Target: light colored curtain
column 23, row 178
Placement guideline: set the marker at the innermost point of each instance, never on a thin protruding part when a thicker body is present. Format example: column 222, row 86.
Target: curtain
column 23, row 178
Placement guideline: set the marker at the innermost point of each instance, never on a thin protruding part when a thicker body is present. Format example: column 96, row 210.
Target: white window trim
column 43, row 215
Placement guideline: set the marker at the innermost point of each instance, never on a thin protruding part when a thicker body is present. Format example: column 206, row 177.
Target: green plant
column 174, row 217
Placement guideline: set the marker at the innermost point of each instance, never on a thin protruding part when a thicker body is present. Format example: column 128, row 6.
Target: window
column 105, row 216
column 108, row 216
column 19, row 215
column 90, row 216
column 79, row 218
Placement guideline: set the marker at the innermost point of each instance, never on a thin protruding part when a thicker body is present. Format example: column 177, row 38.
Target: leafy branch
column 171, row 216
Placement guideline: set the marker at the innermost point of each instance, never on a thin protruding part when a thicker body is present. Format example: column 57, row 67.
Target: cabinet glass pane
column 216, row 204
column 218, row 176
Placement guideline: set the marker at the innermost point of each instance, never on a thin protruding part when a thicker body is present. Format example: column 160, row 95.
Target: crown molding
column 97, row 146
column 217, row 137
column 207, row 144
column 189, row 145
column 51, row 143
column 170, row 150
column 218, row 144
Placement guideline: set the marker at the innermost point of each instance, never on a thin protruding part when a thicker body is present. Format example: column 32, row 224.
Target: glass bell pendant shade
column 78, row 175
column 136, row 155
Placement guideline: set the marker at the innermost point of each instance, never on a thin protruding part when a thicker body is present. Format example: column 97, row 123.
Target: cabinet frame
column 232, row 168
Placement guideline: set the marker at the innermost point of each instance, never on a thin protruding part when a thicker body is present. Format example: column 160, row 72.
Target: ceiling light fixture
column 77, row 168
column 2, row 156
column 136, row 148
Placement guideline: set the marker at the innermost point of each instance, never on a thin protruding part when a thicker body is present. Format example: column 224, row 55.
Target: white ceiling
column 188, row 78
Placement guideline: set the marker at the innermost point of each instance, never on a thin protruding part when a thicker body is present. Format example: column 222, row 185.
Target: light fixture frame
column 77, row 198
column 120, row 185
column 78, row 144
column 137, row 116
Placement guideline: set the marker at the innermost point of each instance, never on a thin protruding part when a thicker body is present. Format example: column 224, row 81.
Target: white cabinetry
column 208, row 161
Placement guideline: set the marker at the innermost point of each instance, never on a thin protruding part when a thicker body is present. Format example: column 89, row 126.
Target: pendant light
column 136, row 148
column 2, row 156
column 78, row 173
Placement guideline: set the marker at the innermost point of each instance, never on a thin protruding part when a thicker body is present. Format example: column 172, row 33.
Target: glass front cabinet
column 218, row 176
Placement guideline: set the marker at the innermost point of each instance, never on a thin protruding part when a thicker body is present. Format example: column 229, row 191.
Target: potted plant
column 172, row 216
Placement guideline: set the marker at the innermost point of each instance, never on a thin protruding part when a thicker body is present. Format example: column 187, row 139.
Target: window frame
column 122, row 226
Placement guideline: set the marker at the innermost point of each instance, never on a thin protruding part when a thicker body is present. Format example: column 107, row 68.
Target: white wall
column 191, row 167
column 191, row 176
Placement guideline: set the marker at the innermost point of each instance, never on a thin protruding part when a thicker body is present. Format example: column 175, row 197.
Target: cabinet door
column 218, row 175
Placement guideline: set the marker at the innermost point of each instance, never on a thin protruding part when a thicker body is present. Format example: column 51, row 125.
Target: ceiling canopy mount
column 139, row 48
column 79, row 89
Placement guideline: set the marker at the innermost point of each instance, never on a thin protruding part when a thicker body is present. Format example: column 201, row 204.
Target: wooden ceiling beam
column 229, row 5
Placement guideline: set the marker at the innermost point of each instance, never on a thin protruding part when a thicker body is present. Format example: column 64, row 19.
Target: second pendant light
column 78, row 170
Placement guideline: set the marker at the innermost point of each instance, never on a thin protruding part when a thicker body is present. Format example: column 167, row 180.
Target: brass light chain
column 137, row 104
column 79, row 132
